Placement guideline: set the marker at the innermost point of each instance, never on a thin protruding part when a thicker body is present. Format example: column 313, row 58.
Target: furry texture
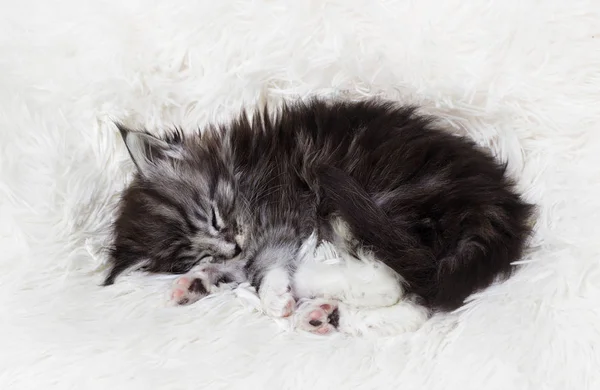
column 518, row 76
column 432, row 206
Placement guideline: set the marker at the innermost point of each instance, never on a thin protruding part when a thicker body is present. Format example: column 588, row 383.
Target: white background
column 520, row 76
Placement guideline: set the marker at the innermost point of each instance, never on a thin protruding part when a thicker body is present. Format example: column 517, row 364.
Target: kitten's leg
column 359, row 281
column 356, row 295
column 322, row 316
column 205, row 279
column 269, row 272
column 275, row 293
column 405, row 316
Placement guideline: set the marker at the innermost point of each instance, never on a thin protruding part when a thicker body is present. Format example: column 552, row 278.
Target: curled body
column 427, row 214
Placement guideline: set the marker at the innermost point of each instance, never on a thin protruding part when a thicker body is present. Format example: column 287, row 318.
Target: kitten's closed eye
column 219, row 226
column 224, row 232
column 215, row 223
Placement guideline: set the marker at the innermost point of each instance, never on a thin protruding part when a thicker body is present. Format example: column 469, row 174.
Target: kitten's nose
column 237, row 250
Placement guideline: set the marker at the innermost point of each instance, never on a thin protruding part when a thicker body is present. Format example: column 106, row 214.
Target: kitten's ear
column 146, row 150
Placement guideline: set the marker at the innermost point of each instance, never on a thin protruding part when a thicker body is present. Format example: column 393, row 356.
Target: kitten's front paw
column 319, row 316
column 278, row 304
column 188, row 289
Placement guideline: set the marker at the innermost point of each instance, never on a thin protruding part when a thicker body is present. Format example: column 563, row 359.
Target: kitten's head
column 180, row 209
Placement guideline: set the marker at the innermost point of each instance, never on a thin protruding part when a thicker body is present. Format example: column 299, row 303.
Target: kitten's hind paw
column 188, row 289
column 319, row 316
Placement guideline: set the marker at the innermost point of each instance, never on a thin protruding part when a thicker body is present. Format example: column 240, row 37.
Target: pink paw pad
column 324, row 329
column 177, row 293
column 318, row 318
column 187, row 290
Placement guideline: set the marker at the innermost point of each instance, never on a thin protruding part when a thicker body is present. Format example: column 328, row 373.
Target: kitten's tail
column 368, row 223
column 482, row 255
column 358, row 209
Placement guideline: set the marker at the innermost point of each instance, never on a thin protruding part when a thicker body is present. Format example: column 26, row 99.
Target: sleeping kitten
column 416, row 219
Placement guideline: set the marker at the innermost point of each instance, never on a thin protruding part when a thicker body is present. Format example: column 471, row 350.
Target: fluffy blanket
column 521, row 77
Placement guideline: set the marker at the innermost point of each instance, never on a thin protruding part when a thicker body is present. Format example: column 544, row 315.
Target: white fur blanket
column 520, row 76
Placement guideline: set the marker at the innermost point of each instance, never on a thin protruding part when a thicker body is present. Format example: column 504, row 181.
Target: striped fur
column 432, row 206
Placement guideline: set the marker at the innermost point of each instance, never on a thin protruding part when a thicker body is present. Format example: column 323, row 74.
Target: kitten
column 418, row 218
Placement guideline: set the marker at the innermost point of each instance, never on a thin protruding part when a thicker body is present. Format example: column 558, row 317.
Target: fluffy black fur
column 433, row 206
